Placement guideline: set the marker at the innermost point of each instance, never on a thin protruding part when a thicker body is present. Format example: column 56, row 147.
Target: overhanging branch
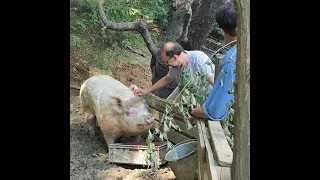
column 139, row 26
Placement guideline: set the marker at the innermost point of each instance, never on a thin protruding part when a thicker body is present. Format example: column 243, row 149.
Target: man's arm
column 159, row 84
column 211, row 79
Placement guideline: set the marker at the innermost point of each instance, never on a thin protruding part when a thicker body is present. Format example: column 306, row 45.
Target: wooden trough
column 214, row 154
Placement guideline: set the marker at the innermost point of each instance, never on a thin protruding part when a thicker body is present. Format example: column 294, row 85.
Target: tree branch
column 134, row 51
column 139, row 26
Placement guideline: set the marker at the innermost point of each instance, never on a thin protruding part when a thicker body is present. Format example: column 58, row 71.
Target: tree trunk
column 240, row 169
column 177, row 31
column 202, row 22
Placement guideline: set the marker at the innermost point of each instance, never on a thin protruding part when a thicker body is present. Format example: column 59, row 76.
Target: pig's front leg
column 109, row 139
column 137, row 138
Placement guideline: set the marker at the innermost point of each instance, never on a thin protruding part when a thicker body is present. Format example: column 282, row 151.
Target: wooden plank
column 176, row 115
column 220, row 144
column 224, row 173
column 211, row 169
column 174, row 93
column 173, row 135
column 176, row 137
column 160, row 103
column 193, row 132
column 201, row 152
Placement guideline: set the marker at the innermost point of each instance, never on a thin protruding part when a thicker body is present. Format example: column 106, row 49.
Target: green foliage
column 85, row 21
column 216, row 33
column 76, row 41
column 97, row 60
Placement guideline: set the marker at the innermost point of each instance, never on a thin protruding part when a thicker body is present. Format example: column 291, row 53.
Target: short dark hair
column 172, row 50
column 226, row 18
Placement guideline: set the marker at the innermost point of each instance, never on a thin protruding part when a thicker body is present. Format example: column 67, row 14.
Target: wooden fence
column 213, row 151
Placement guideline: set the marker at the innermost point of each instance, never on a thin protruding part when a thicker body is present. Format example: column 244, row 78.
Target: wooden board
column 173, row 136
column 193, row 132
column 201, row 153
column 224, row 173
column 174, row 93
column 211, row 169
column 156, row 102
column 220, row 144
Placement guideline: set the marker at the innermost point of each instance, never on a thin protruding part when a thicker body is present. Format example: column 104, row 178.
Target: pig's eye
column 131, row 113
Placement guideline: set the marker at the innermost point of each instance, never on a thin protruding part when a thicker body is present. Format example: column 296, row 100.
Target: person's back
column 222, row 94
column 222, row 91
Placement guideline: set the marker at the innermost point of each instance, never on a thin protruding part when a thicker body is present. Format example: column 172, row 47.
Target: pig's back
column 99, row 89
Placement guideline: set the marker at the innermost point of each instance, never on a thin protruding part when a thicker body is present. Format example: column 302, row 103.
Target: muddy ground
column 89, row 156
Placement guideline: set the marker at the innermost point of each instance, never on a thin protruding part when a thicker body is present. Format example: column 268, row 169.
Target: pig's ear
column 117, row 103
column 133, row 87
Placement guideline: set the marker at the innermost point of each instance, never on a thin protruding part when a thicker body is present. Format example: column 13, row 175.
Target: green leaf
column 231, row 90
column 165, row 128
column 161, row 137
column 180, row 106
column 176, row 127
column 224, row 72
column 168, row 108
column 228, row 106
column 169, row 145
column 221, row 82
column 165, row 136
column 150, row 134
column 208, row 62
column 184, row 99
column 212, row 69
column 156, row 131
column 188, row 125
column 148, row 141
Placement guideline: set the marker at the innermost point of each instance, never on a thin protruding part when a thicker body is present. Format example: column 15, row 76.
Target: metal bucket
column 183, row 160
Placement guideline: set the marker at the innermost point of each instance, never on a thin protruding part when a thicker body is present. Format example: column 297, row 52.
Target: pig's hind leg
column 91, row 122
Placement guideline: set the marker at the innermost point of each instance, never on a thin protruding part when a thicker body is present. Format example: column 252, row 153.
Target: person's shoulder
column 199, row 55
column 198, row 52
column 231, row 54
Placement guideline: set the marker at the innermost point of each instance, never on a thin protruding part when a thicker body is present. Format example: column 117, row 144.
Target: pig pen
column 89, row 156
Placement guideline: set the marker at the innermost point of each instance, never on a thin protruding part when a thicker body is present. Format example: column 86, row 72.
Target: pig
column 109, row 104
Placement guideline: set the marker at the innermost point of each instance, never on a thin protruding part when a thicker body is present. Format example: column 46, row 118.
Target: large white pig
column 115, row 108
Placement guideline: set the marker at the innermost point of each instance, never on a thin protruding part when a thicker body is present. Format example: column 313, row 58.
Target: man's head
column 170, row 54
column 226, row 18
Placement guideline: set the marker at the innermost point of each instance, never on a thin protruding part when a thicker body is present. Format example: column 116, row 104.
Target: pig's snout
column 149, row 119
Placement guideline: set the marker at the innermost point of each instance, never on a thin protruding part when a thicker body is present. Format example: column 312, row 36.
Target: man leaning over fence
column 181, row 63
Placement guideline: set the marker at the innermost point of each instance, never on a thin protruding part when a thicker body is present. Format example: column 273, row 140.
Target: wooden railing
column 213, row 151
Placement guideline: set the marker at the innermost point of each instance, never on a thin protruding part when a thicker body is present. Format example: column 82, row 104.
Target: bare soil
column 89, row 156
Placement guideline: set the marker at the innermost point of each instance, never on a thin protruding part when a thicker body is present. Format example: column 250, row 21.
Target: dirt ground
column 89, row 156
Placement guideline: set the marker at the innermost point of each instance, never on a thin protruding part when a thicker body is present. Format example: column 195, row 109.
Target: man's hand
column 195, row 113
column 140, row 92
